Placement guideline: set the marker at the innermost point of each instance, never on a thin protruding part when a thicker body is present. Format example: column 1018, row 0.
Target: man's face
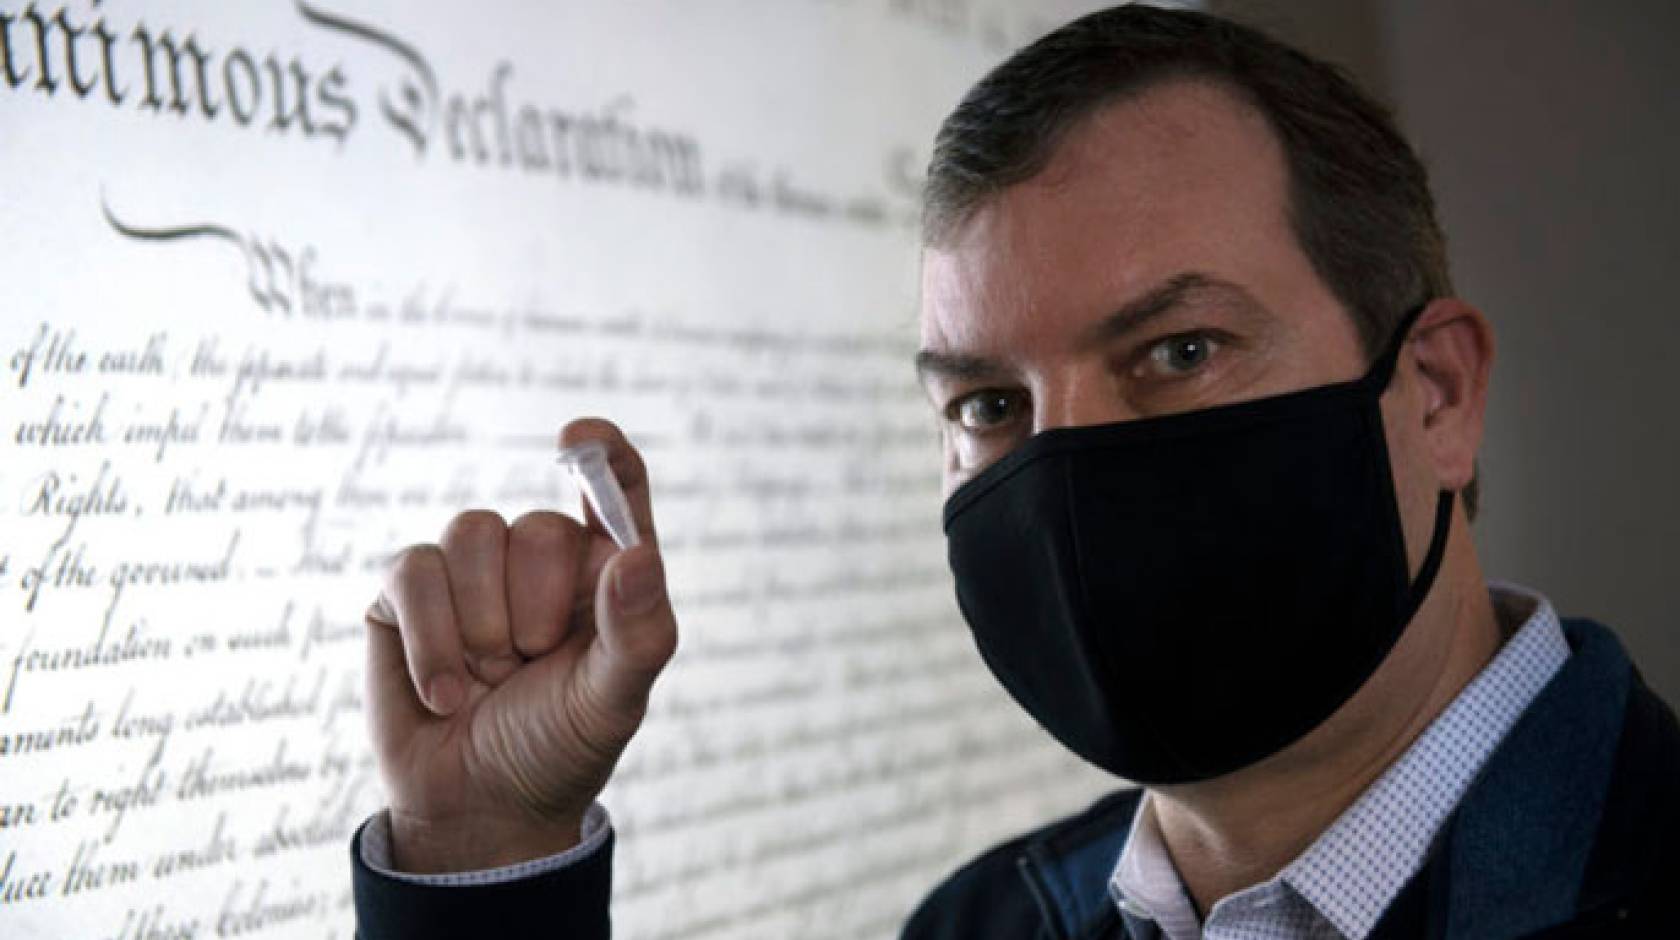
column 1149, row 269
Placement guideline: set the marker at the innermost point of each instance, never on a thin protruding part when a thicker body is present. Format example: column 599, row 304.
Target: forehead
column 1183, row 176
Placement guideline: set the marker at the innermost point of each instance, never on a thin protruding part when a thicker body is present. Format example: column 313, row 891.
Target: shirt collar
column 1356, row 867
column 1145, row 883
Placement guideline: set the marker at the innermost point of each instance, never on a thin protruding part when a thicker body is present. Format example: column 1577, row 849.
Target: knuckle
column 414, row 564
column 544, row 532
column 474, row 527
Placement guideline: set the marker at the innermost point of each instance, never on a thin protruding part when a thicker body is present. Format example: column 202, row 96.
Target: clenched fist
column 508, row 666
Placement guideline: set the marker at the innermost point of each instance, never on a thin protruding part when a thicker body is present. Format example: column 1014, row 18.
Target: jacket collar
column 1515, row 850
column 1068, row 867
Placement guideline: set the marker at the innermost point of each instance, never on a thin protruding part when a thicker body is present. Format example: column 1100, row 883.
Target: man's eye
column 984, row 410
column 1182, row 354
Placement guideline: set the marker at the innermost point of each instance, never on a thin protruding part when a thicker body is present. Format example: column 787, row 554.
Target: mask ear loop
column 1431, row 561
column 1382, row 372
column 1382, row 368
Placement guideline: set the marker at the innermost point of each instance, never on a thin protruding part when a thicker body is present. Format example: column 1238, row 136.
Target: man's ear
column 1452, row 344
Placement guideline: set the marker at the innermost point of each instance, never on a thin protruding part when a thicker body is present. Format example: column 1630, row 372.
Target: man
column 1187, row 319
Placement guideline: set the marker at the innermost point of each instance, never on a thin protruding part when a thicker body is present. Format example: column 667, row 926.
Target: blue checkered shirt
column 1339, row 887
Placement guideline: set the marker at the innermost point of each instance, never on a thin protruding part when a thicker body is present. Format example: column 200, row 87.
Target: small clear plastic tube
column 594, row 478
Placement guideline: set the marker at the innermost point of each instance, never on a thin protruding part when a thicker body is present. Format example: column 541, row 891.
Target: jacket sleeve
column 569, row 903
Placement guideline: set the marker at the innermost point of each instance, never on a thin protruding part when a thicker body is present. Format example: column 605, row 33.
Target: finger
column 392, row 702
column 635, row 627
column 544, row 555
column 475, row 549
column 598, row 550
column 417, row 591
column 626, row 465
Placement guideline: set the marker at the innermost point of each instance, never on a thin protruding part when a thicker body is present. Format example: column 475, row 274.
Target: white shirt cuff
column 376, row 854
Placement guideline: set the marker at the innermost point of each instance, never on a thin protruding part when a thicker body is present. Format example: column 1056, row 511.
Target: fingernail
column 380, row 610
column 636, row 583
column 445, row 693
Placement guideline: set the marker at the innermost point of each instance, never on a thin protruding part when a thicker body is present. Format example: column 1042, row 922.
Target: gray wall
column 1552, row 132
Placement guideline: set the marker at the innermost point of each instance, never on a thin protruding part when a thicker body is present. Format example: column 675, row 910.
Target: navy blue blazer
column 1571, row 830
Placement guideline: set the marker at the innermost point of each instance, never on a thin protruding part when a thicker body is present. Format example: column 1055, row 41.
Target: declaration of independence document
column 286, row 284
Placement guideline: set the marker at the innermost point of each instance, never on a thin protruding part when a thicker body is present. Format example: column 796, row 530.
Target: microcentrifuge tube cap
column 594, row 477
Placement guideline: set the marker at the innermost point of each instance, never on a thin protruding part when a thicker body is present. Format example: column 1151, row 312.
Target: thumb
column 636, row 630
column 394, row 707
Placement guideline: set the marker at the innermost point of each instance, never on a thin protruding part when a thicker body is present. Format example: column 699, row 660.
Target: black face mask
column 1176, row 598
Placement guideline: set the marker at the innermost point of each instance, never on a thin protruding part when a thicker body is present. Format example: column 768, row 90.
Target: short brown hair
column 1359, row 198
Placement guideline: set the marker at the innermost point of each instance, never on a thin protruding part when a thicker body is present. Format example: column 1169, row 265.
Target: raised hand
column 508, row 666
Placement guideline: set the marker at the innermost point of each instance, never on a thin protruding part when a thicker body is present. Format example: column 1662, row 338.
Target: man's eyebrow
column 956, row 366
column 1159, row 302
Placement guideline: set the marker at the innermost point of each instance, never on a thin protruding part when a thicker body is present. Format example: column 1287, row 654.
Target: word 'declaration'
column 170, row 71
